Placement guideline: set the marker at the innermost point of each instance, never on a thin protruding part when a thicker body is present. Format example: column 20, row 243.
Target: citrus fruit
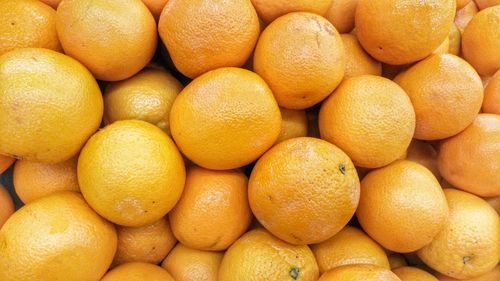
column 5, row 162
column 114, row 39
column 359, row 272
column 462, row 3
column 258, row 255
column 202, row 35
column 290, row 45
column 491, row 102
column 467, row 160
column 493, row 275
column 225, row 119
column 293, row 124
column 469, row 245
column 131, row 173
column 409, row 273
column 396, row 260
column 54, row 100
column 443, row 48
column 7, row 206
column 304, row 190
column 270, row 10
column 455, row 38
column 402, row 206
column 370, row 118
column 424, row 154
column 358, row 62
column 221, row 213
column 33, row 180
column 137, row 271
column 464, row 15
column 341, row 14
column 146, row 96
column 186, row 264
column 52, row 3
column 58, row 237
column 155, row 7
column 349, row 246
column 483, row 4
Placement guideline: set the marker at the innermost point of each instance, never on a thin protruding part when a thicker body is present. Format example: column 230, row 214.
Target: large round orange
column 54, row 100
column 403, row 31
column 137, row 271
column 408, row 273
column 213, row 210
column 114, row 39
column 491, row 102
column 301, row 57
column 5, row 162
column 131, row 173
column 468, row 160
column 424, row 154
column 359, row 272
column 402, row 206
column 6, row 205
column 304, row 190
column 369, row 117
column 446, row 93
column 341, row 14
column 493, row 275
column 225, row 119
column 469, row 244
column 27, row 23
column 358, row 62
column 202, row 35
column 58, row 237
column 270, row 10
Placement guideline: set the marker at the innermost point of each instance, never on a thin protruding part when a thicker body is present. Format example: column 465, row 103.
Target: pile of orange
column 259, row 140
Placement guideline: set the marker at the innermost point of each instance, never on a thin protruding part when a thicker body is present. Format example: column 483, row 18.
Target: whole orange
column 493, row 275
column 155, row 7
column 270, row 10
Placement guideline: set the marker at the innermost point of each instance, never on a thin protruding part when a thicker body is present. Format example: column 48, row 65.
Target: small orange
column 491, row 102
column 402, row 206
column 359, row 272
column 483, row 4
column 358, row 62
column 225, row 119
column 6, row 205
column 464, row 15
column 424, row 154
column 137, row 271
column 349, row 246
column 5, row 162
column 493, row 275
column 341, row 14
column 304, row 190
column 213, row 210
column 270, row 10
column 293, row 125
column 409, row 273
column 370, row 118
column 301, row 57
column 467, row 160
column 396, row 260
column 155, row 7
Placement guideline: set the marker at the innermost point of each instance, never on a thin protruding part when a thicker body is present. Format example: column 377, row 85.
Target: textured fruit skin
column 270, row 10
column 49, row 105
column 304, row 190
column 469, row 160
column 225, row 119
column 424, row 154
column 481, row 41
column 259, row 256
column 493, row 275
column 186, row 264
column 491, row 102
column 455, row 38
column 358, row 62
column 203, row 35
column 403, row 31
column 301, row 57
column 446, row 93
column 58, row 237
column 131, row 173
column 408, row 273
column 359, row 272
column 7, row 206
column 33, row 180
column 341, row 14
column 114, row 39
column 155, row 7
column 213, row 210
column 137, row 271
column 402, row 206
column 293, row 125
column 150, row 243
column 469, row 245
column 349, row 246
column 27, row 23
column 146, row 96
column 464, row 16
column 370, row 118
column 5, row 162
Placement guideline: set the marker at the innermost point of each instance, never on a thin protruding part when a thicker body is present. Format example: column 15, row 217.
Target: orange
column 358, row 62
column 396, row 260
column 349, row 246
column 469, row 245
column 137, row 271
column 146, row 96
column 370, row 118
column 131, row 173
column 301, row 57
column 446, row 93
column 408, row 273
column 304, row 190
column 359, row 272
column 424, row 154
column 467, row 160
column 5, row 162
column 481, row 41
column 203, row 35
column 114, row 39
column 33, row 180
column 293, row 124
column 462, row 3
column 213, row 211
column 270, row 10
column 258, row 255
column 186, row 264
column 403, row 31
column 483, row 4
column 493, row 275
column 150, row 243
column 402, row 206
column 52, row 3
column 464, row 15
column 341, row 14
column 27, row 23
column 225, row 119
column 54, row 100
column 444, row 48
column 155, row 7
column 6, row 206
column 495, row 203
column 455, row 40
column 491, row 102
column 58, row 237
